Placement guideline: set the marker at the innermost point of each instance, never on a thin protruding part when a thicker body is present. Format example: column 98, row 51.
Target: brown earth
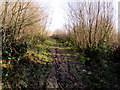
column 63, row 73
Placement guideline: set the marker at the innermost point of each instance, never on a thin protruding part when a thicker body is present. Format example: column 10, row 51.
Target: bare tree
column 91, row 22
column 20, row 19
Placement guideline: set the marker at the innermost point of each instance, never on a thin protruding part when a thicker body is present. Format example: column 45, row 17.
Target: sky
column 58, row 13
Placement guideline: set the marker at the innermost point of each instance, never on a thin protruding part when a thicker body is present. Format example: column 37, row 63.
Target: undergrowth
column 26, row 65
column 101, row 66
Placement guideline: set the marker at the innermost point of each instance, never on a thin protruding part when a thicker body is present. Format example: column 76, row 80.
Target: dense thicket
column 92, row 22
column 92, row 31
column 20, row 22
column 90, row 37
column 24, row 54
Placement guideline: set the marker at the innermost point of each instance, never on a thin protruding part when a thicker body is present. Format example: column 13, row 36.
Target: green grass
column 33, row 67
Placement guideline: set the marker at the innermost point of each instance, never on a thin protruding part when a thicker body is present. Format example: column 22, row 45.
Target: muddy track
column 62, row 75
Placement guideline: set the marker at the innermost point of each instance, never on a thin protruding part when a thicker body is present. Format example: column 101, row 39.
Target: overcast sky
column 58, row 13
column 57, row 10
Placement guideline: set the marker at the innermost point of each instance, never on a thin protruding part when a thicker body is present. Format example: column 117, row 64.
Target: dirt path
column 62, row 75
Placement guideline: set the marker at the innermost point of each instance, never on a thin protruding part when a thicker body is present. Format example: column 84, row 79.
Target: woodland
column 85, row 55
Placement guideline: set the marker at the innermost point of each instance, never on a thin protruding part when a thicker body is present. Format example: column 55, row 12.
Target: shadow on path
column 62, row 74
